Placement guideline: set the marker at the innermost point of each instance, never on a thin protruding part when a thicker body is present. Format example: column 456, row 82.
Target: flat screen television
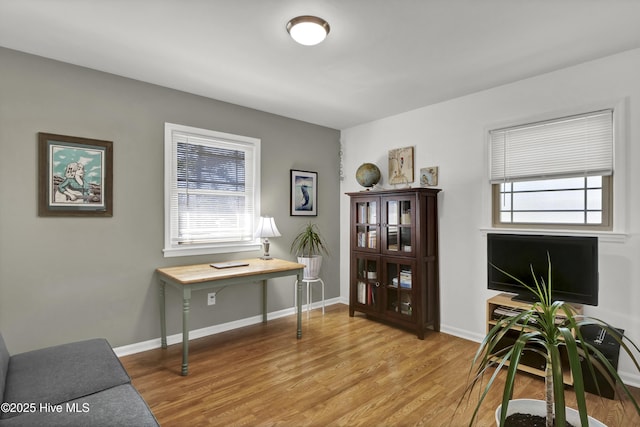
column 574, row 265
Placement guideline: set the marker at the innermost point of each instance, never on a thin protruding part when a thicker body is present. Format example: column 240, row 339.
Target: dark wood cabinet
column 394, row 257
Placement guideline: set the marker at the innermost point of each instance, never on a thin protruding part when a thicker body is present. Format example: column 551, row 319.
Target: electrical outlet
column 211, row 298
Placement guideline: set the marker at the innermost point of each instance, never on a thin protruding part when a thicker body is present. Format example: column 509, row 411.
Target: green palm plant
column 549, row 328
column 309, row 242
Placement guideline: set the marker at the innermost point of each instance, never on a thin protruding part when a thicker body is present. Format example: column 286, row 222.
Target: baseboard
column 632, row 380
column 342, row 300
column 139, row 347
column 461, row 333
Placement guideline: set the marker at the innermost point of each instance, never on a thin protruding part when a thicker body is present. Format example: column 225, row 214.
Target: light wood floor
column 343, row 372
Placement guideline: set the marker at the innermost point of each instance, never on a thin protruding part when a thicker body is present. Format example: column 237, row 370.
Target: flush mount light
column 308, row 30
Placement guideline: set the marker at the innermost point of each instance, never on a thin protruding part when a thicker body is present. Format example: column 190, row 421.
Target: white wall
column 452, row 135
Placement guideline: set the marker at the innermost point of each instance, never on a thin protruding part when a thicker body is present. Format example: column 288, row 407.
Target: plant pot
column 312, row 266
column 539, row 407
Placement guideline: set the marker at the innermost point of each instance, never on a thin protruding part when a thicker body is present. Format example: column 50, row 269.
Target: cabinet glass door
column 399, row 280
column 397, row 226
column 367, row 282
column 367, row 226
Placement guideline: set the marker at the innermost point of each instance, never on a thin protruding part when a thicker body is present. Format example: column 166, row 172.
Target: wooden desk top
column 198, row 273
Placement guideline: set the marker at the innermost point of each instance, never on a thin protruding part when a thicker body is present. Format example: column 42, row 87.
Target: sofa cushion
column 4, row 366
column 118, row 406
column 62, row 373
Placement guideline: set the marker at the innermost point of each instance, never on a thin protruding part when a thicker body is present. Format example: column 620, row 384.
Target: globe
column 368, row 175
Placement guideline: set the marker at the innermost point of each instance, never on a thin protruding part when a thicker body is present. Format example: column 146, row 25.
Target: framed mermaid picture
column 75, row 176
column 304, row 193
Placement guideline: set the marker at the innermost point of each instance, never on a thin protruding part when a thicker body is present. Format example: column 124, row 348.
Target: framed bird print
column 304, row 193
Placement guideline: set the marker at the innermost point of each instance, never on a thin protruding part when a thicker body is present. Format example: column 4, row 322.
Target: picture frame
column 304, row 193
column 401, row 166
column 429, row 176
column 75, row 176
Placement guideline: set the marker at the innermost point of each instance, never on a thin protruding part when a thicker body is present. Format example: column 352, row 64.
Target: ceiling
column 381, row 58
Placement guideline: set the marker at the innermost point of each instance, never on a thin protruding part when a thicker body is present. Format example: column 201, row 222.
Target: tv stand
column 524, row 298
column 505, row 305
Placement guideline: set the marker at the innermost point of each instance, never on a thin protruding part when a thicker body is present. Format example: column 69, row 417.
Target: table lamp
column 266, row 228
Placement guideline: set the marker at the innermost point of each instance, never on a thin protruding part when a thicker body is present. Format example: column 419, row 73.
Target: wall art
column 401, row 166
column 429, row 176
column 304, row 193
column 75, row 176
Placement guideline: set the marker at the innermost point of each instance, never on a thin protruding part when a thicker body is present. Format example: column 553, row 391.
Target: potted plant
column 545, row 328
column 308, row 246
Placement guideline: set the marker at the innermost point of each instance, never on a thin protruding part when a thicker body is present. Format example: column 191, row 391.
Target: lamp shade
column 308, row 30
column 267, row 228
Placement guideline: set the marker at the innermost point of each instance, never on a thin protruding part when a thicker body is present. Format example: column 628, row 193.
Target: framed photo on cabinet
column 75, row 176
column 304, row 193
column 401, row 165
column 429, row 176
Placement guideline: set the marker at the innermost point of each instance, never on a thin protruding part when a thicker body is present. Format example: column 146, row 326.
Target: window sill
column 603, row 236
column 207, row 250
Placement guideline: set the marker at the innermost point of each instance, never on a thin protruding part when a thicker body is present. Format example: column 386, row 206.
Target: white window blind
column 580, row 145
column 212, row 188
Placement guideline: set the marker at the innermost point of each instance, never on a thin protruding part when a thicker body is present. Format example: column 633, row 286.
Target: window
column 212, row 191
column 554, row 174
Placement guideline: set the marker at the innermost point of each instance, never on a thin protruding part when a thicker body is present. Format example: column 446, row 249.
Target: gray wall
column 64, row 279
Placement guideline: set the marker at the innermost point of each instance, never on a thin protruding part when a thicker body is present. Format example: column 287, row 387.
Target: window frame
column 173, row 249
column 605, row 225
column 619, row 189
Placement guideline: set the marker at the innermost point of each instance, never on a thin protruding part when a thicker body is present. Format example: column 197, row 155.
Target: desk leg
column 163, row 319
column 299, row 304
column 264, row 301
column 186, row 297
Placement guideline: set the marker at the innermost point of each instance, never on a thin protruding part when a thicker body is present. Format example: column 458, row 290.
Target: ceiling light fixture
column 308, row 30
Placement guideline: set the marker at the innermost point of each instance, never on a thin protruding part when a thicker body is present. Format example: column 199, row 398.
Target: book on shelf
column 406, row 217
column 362, row 213
column 367, row 239
column 372, row 214
column 362, row 292
column 404, row 280
column 372, row 238
column 366, row 294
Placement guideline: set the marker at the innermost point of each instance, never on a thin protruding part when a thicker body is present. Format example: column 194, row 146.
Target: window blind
column 580, row 145
column 211, row 190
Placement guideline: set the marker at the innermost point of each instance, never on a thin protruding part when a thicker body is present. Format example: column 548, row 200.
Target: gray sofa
column 77, row 384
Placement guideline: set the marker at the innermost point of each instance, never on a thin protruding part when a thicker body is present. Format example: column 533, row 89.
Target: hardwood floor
column 343, row 372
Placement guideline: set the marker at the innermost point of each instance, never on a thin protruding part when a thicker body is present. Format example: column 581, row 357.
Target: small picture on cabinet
column 401, row 165
column 429, row 176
